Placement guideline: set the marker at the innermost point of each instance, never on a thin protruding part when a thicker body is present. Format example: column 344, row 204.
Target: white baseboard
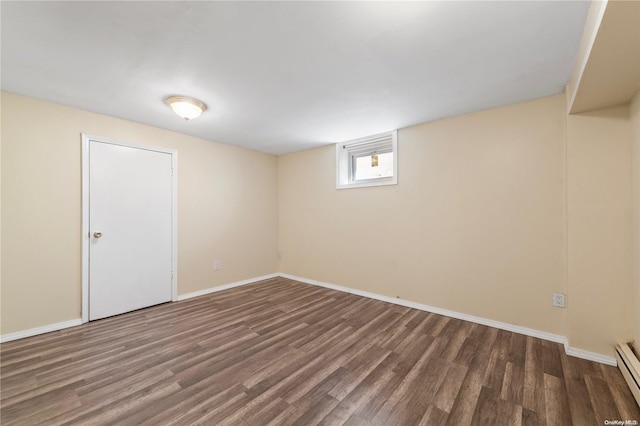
column 39, row 330
column 226, row 286
column 591, row 356
column 557, row 338
column 579, row 353
column 61, row 325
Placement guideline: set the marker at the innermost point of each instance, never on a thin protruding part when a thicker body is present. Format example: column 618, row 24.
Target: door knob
column 97, row 234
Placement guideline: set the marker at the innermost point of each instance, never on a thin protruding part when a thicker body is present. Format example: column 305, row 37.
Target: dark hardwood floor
column 282, row 352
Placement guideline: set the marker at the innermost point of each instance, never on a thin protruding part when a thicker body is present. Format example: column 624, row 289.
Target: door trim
column 85, row 214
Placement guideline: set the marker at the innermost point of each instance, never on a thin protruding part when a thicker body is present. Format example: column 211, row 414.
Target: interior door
column 130, row 201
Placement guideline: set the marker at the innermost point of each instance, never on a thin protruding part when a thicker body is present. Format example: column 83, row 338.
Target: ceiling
column 281, row 77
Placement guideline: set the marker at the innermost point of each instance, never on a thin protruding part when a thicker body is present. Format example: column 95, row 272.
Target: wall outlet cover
column 559, row 300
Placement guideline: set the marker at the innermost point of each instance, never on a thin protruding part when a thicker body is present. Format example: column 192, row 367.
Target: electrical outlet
column 216, row 265
column 558, row 300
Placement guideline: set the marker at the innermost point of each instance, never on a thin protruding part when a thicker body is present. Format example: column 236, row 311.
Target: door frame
column 86, row 139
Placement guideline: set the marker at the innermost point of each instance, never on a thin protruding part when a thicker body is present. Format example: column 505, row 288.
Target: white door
column 130, row 233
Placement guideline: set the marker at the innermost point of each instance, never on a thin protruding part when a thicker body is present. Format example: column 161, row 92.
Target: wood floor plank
column 491, row 410
column 494, row 374
column 604, row 405
column 531, row 418
column 421, row 395
column 385, row 383
column 556, row 401
column 434, row 416
column 575, row 371
column 464, row 406
column 551, row 360
column 624, row 403
column 390, row 411
column 357, row 369
column 533, row 394
column 42, row 407
column 449, row 388
column 122, row 409
column 282, row 352
column 513, row 383
column 354, row 403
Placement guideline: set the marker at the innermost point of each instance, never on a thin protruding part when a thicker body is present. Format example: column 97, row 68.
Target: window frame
column 348, row 152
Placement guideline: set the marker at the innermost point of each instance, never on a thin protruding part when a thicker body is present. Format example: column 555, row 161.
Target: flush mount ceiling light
column 186, row 107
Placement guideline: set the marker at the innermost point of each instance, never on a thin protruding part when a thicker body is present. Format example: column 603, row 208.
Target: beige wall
column 635, row 215
column 589, row 32
column 599, row 229
column 607, row 69
column 494, row 211
column 475, row 225
column 227, row 209
column 603, row 169
column 0, row 214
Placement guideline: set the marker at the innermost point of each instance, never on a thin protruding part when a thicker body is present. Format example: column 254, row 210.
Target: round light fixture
column 186, row 107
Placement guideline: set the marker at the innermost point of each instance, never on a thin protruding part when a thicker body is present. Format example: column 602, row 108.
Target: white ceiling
column 280, row 77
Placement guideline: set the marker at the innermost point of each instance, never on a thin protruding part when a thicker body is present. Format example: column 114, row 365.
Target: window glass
column 373, row 166
column 368, row 161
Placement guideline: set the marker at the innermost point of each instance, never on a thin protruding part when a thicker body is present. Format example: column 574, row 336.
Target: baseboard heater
column 629, row 365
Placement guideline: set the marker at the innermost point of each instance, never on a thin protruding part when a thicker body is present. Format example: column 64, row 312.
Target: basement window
column 368, row 161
